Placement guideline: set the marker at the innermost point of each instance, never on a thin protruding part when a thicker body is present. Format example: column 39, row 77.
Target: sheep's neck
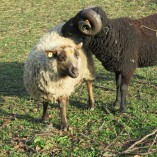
column 108, row 46
column 103, row 48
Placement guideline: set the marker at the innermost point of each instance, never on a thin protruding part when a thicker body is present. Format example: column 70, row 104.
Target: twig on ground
column 104, row 88
column 44, row 134
column 155, row 140
column 146, row 83
column 100, row 128
column 130, row 149
column 114, row 140
column 135, row 153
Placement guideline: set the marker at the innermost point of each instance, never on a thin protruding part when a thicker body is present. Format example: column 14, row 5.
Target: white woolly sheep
column 54, row 68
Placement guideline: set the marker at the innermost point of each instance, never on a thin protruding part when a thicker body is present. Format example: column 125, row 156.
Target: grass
column 102, row 132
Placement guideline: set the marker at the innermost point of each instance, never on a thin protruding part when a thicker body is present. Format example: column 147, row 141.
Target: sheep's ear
column 51, row 53
column 79, row 46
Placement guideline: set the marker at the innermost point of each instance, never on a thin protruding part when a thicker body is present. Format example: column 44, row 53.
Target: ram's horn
column 92, row 24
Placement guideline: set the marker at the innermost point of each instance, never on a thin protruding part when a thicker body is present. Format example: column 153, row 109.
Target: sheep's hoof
column 116, row 107
column 91, row 104
column 122, row 110
column 44, row 120
column 64, row 128
column 68, row 128
column 116, row 103
column 92, row 109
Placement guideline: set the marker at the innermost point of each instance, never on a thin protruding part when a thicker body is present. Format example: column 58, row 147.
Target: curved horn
column 92, row 23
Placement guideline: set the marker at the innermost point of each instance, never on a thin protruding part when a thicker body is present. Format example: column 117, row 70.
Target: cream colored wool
column 41, row 77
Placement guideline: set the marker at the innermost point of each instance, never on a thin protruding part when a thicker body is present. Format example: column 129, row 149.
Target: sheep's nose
column 73, row 72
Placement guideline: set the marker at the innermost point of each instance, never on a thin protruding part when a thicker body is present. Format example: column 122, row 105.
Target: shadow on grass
column 11, row 84
column 108, row 108
column 78, row 104
column 11, row 79
column 142, row 80
column 19, row 116
column 105, row 76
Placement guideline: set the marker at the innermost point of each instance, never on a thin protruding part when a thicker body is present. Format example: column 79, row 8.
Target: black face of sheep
column 121, row 44
column 67, row 58
column 86, row 23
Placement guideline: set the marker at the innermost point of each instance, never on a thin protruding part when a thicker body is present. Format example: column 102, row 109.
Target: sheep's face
column 70, row 28
column 68, row 60
column 86, row 23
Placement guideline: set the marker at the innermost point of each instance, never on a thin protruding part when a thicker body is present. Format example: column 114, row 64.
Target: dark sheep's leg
column 45, row 112
column 90, row 94
column 63, row 104
column 124, row 89
column 118, row 91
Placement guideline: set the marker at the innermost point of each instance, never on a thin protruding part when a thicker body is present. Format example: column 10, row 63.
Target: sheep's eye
column 76, row 54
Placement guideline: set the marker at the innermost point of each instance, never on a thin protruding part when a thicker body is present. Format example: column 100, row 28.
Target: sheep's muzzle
column 73, row 72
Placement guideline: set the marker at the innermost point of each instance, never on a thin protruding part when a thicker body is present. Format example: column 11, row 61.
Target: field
column 102, row 132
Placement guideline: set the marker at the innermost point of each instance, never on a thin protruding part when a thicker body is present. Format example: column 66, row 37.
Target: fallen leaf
column 6, row 122
column 37, row 148
column 35, row 110
column 17, row 147
column 20, row 144
column 2, row 155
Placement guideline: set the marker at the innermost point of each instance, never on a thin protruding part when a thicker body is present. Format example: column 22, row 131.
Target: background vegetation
column 102, row 132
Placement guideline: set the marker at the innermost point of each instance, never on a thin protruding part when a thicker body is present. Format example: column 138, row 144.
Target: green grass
column 102, row 132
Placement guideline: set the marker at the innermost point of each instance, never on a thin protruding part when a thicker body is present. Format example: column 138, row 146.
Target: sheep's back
column 147, row 40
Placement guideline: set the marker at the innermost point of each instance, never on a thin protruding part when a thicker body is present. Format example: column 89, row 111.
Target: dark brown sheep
column 121, row 44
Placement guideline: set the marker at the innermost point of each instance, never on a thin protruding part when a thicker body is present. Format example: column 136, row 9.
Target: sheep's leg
column 118, row 92
column 63, row 105
column 90, row 93
column 45, row 112
column 67, row 101
column 123, row 89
